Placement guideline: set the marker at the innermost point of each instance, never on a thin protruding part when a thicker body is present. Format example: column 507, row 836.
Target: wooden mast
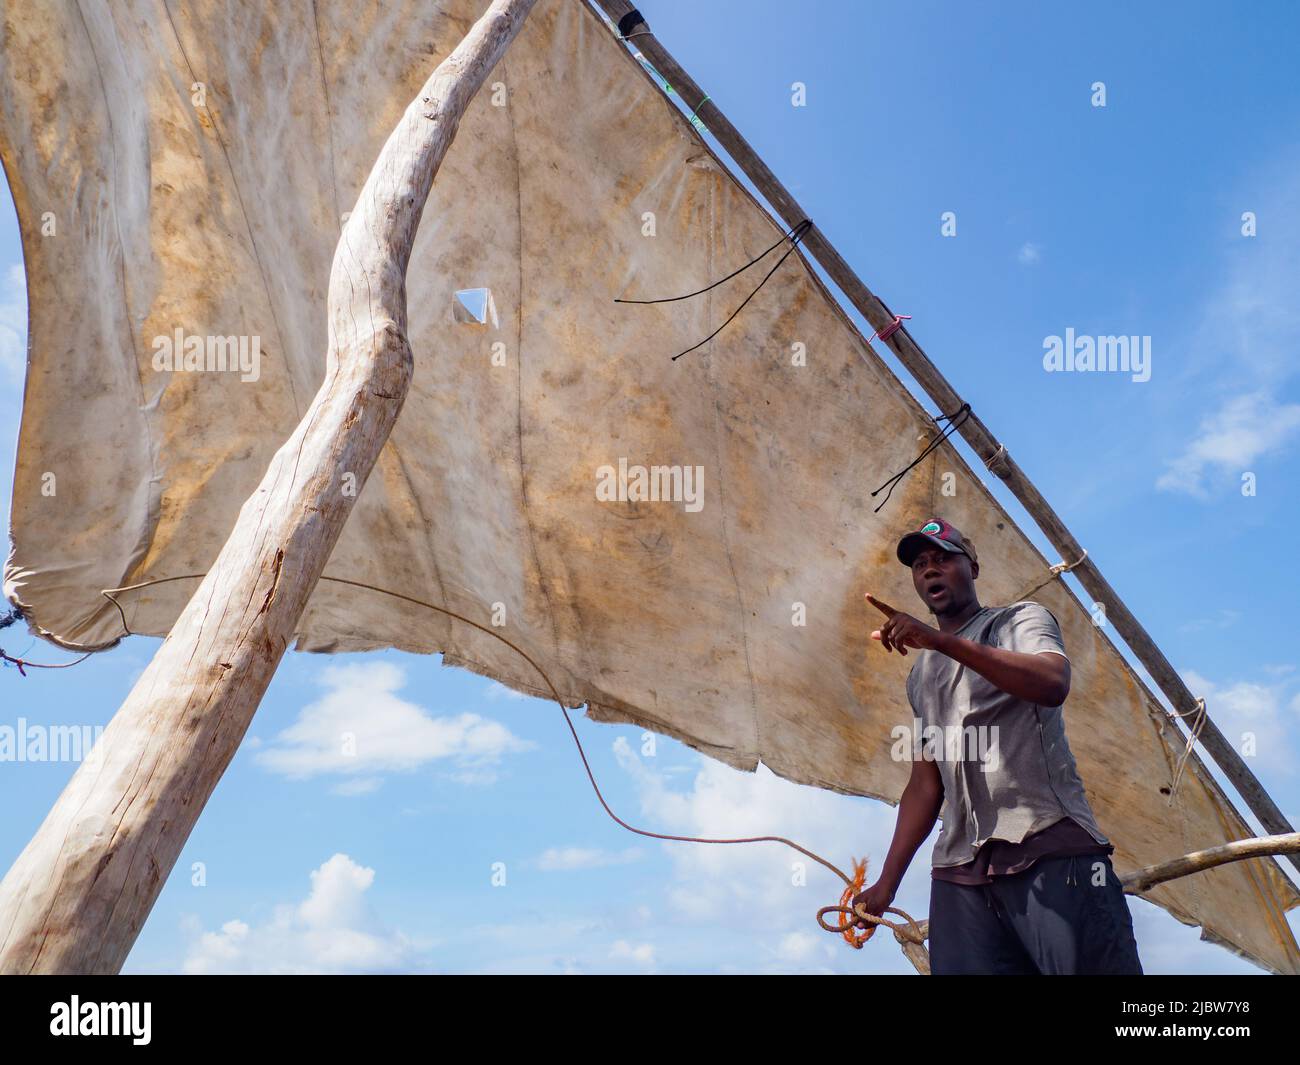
column 995, row 456
column 78, row 895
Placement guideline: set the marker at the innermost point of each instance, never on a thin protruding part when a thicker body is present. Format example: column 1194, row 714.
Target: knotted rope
column 892, row 328
column 997, row 462
column 1193, row 735
column 13, row 616
column 954, row 421
column 850, row 915
column 1053, row 573
column 794, row 236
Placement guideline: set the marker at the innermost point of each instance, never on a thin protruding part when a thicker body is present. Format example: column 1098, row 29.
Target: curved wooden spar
column 78, row 895
column 1198, row 861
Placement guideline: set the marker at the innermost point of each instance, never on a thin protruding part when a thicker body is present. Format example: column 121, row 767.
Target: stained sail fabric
column 180, row 171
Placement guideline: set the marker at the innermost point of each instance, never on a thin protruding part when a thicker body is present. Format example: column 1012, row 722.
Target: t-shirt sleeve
column 1029, row 628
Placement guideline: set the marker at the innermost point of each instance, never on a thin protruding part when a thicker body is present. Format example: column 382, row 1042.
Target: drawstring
column 961, row 414
column 794, row 236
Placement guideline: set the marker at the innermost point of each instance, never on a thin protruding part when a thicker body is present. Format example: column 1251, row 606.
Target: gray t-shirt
column 1006, row 765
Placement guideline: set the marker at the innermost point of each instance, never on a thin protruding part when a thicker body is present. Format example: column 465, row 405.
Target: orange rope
column 853, row 936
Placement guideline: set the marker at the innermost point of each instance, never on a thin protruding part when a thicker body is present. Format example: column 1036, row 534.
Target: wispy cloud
column 1232, row 441
column 643, row 954
column 1029, row 254
column 361, row 728
column 1251, row 323
column 1223, row 618
column 13, row 325
column 1250, row 716
column 811, row 951
column 1245, row 344
column 565, row 859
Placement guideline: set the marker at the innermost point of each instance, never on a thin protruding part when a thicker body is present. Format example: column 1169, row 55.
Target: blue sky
column 1125, row 219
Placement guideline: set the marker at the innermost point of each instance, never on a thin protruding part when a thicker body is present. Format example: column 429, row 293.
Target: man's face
column 945, row 580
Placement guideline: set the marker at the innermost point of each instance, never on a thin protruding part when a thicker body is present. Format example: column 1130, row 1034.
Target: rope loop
column 1193, row 735
column 997, row 462
column 850, row 915
column 892, row 327
column 1065, row 567
column 1052, row 573
column 695, row 119
column 904, row 933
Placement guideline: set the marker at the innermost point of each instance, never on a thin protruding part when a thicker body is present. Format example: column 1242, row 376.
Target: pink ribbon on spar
column 892, row 327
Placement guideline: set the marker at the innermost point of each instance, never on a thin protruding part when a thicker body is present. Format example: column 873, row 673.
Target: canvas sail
column 180, row 172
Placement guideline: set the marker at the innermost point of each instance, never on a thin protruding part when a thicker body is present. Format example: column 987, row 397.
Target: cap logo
column 931, row 527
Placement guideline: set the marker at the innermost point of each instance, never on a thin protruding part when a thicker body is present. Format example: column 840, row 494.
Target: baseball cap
column 938, row 533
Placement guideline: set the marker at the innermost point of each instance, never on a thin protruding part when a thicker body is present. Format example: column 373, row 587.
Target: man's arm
column 1042, row 678
column 917, row 811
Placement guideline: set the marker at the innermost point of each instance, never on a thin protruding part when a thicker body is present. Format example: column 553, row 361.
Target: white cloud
column 358, row 786
column 1244, row 345
column 333, row 930
column 13, row 325
column 1224, row 618
column 774, row 890
column 557, row 859
column 1029, row 254
column 546, row 942
column 1168, row 947
column 1251, row 324
column 804, row 947
column 361, row 728
column 1247, row 711
column 496, row 690
column 1231, row 441
column 639, row 953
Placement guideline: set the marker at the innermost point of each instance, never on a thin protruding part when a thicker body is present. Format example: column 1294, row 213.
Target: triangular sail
column 196, row 172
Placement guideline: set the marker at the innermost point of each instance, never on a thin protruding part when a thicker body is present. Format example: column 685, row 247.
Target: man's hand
column 902, row 631
column 874, row 900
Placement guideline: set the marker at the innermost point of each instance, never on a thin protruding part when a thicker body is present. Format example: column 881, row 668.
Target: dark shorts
column 1055, row 918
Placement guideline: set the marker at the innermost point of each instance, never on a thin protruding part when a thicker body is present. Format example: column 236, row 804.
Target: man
column 1021, row 879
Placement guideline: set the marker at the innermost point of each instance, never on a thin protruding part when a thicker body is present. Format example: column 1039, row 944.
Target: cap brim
column 911, row 545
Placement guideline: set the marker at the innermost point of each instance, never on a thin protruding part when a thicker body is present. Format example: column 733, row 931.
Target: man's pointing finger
column 882, row 606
